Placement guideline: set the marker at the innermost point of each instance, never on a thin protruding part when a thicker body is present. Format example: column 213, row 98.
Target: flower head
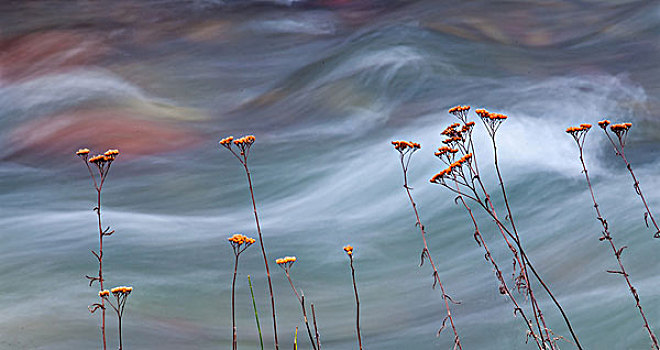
column 460, row 112
column 348, row 249
column 406, row 146
column 83, row 152
column 286, row 262
column 579, row 133
column 240, row 242
column 604, row 123
column 121, row 290
column 104, row 293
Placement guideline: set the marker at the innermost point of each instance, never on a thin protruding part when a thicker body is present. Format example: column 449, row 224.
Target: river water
column 324, row 86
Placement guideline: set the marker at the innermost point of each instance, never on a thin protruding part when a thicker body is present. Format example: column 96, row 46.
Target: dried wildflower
column 104, row 293
column 240, row 242
column 348, row 249
column 460, row 112
column 604, row 123
column 83, row 152
column 579, row 133
column 121, row 290
column 242, row 143
column 406, row 146
column 226, row 141
column 286, row 262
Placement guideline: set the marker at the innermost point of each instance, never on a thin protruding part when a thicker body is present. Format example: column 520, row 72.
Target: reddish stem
column 425, row 251
column 617, row 253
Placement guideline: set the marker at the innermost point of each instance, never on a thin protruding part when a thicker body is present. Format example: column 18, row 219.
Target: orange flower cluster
column 286, row 262
column 348, row 249
column 458, row 109
column 437, row 178
column 245, row 140
column 106, row 157
column 405, row 145
column 121, row 290
column 450, row 130
column 239, row 239
column 104, row 293
column 453, row 139
column 617, row 128
column 227, row 141
column 578, row 129
column 484, row 114
column 603, row 123
column 444, row 150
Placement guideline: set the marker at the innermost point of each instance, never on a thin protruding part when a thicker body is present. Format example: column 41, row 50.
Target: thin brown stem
column 263, row 249
column 535, row 306
column 426, row 253
column 301, row 300
column 617, row 252
column 100, row 259
column 504, row 289
column 233, row 308
column 357, row 304
column 316, row 329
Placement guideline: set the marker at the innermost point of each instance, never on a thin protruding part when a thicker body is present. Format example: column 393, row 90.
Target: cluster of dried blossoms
column 242, row 143
column 240, row 242
column 579, row 133
column 348, row 249
column 406, row 146
column 462, row 177
column 285, row 262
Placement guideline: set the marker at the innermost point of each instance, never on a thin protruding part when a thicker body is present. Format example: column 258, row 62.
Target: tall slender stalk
column 256, row 314
column 349, row 251
column 406, row 150
column 579, row 134
column 243, row 144
column 286, row 263
column 102, row 164
column 621, row 132
column 238, row 243
column 316, row 328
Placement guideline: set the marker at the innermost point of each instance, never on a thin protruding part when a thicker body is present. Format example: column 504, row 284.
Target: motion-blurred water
column 324, row 86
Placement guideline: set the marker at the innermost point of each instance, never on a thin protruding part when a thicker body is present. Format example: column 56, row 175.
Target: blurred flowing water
column 324, row 86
